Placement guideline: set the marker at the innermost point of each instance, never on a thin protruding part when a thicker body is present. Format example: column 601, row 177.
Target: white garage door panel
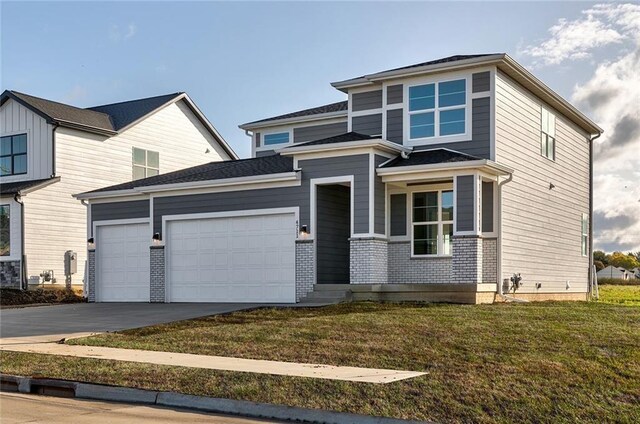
column 236, row 259
column 123, row 263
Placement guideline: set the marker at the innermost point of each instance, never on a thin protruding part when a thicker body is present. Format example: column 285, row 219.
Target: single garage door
column 122, row 263
column 232, row 259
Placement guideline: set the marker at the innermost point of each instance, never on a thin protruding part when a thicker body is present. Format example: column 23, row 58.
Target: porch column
column 91, row 275
column 467, row 241
column 368, row 260
column 156, row 274
column 305, row 272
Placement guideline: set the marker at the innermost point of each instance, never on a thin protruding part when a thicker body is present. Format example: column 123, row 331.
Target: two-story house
column 50, row 151
column 437, row 181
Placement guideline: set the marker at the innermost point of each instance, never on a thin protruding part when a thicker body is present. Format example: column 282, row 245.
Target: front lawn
column 537, row 362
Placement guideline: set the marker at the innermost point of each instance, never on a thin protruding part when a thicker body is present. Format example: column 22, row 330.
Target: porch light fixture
column 304, row 232
column 90, row 243
column 156, row 239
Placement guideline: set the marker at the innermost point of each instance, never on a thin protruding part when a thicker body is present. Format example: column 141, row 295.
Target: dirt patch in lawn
column 12, row 297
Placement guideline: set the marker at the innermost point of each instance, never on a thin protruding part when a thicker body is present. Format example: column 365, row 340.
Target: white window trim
column 264, row 148
column 437, row 139
column 440, row 223
column 146, row 167
column 585, row 219
column 550, row 134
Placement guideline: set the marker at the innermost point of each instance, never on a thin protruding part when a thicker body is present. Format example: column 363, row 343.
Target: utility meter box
column 70, row 262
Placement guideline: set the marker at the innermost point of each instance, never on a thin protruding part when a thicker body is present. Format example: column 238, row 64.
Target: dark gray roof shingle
column 342, row 138
column 19, row 186
column 332, row 107
column 430, row 157
column 125, row 113
column 264, row 165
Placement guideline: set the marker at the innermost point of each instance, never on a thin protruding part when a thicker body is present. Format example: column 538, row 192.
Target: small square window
column 13, row 154
column 145, row 163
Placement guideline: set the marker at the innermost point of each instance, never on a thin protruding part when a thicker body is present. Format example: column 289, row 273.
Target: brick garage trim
column 305, row 268
column 156, row 274
column 489, row 260
column 91, row 275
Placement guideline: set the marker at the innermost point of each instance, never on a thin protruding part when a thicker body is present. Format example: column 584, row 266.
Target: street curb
column 67, row 388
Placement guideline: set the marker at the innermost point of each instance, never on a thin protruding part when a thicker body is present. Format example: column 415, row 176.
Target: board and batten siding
column 18, row 119
column 541, row 227
column 87, row 162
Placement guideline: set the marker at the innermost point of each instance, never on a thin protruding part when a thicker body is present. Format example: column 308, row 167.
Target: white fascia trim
column 380, row 76
column 375, row 143
column 297, row 119
column 472, row 164
column 284, row 176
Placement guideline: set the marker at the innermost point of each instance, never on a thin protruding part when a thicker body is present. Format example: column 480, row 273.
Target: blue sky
column 244, row 61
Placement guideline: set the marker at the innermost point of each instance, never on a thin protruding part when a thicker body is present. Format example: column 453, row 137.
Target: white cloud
column 116, row 33
column 611, row 97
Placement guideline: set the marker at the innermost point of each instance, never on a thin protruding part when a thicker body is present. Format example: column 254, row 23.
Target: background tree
column 599, row 255
column 599, row 265
column 621, row 260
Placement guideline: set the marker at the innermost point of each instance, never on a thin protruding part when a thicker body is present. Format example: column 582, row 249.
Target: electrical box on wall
column 70, row 262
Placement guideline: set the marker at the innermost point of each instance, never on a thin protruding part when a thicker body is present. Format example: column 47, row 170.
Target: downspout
column 23, row 262
column 590, row 271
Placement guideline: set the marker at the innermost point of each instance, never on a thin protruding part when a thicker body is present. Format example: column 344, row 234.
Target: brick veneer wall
column 305, row 273
column 156, row 274
column 467, row 260
column 489, row 260
column 368, row 261
column 91, row 275
column 403, row 269
column 10, row 274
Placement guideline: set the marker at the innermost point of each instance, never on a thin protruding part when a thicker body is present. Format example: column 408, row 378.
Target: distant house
column 617, row 272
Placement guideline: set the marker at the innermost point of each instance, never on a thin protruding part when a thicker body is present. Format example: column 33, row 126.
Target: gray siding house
column 437, row 181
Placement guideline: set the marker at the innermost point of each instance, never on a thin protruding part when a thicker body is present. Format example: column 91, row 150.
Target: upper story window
column 585, row 234
column 13, row 154
column 276, row 138
column 146, row 163
column 5, row 231
column 438, row 109
column 432, row 223
column 548, row 134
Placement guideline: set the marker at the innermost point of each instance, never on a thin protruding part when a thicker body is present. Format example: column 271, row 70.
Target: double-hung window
column 432, row 223
column 548, row 134
column 584, row 234
column 13, row 154
column 276, row 138
column 438, row 109
column 146, row 163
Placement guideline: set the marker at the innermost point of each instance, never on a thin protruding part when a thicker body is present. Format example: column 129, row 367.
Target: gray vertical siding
column 356, row 165
column 480, row 143
column 398, row 225
column 464, row 202
column 394, row 125
column 366, row 101
column 119, row 210
column 379, row 196
column 394, row 94
column 332, row 235
column 367, row 124
column 318, row 132
column 481, row 82
column 487, row 207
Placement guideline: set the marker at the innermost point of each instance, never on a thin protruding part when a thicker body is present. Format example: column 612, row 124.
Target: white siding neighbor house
column 51, row 151
column 461, row 179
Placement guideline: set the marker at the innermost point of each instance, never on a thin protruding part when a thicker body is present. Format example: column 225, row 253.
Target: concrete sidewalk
column 368, row 375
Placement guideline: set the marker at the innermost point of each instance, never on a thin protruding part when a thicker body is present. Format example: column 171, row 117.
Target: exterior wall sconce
column 304, row 232
column 90, row 243
column 156, row 239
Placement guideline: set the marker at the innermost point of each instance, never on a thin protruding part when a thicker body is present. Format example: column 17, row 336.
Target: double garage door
column 227, row 259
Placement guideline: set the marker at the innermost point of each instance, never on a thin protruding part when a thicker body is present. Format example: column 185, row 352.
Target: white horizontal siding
column 17, row 119
column 541, row 227
column 56, row 222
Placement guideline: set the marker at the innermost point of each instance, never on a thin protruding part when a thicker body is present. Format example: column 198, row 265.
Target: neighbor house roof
column 338, row 109
column 24, row 187
column 109, row 119
column 429, row 157
column 265, row 165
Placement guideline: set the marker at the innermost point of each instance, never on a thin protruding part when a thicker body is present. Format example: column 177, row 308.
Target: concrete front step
column 331, row 287
column 328, row 293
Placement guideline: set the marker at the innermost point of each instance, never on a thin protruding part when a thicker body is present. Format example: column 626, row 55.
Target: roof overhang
column 225, row 182
column 297, row 119
column 503, row 62
column 377, row 143
column 30, row 189
column 419, row 172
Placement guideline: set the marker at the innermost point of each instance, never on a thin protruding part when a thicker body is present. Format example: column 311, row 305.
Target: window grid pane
column 278, row 138
column 422, row 97
column 139, row 156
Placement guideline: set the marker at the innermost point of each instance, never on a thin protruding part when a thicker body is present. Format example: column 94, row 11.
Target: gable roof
column 337, row 108
column 341, row 138
column 109, row 119
column 264, row 165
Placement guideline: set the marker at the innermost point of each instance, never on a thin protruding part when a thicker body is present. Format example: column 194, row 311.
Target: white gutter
column 226, row 182
column 402, row 170
column 293, row 120
column 375, row 142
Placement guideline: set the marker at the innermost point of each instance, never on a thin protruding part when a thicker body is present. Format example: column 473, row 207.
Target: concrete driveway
column 53, row 323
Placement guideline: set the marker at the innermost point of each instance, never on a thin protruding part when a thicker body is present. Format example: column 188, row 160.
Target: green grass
column 621, row 295
column 539, row 362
